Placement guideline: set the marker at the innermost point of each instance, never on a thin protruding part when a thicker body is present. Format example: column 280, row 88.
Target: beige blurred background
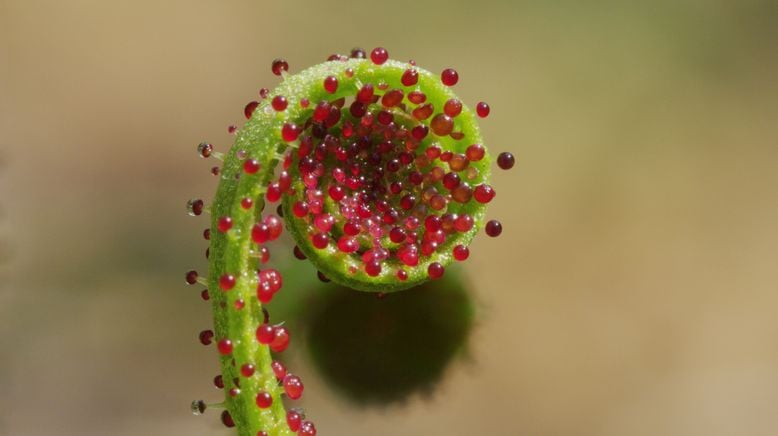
column 634, row 290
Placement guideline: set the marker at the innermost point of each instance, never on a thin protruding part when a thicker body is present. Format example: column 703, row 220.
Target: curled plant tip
column 382, row 179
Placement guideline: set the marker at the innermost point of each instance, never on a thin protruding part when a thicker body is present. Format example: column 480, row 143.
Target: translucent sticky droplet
column 204, row 149
column 194, row 207
column 198, row 407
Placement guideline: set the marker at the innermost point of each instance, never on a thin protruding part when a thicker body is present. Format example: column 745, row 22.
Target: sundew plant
column 380, row 175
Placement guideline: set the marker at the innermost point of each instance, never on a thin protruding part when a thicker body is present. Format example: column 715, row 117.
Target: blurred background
column 633, row 291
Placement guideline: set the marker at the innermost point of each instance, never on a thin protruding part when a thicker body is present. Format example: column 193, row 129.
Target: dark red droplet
column 324, row 222
column 464, row 223
column 365, row 93
column 191, row 277
column 290, row 132
column 482, row 109
column 417, row 97
column 206, row 336
column 451, row 181
column 435, row 270
column 227, row 419
column 300, row 209
column 441, row 124
column 279, row 103
column 453, row 107
column 449, row 77
column 273, row 193
column 227, row 282
column 293, row 420
column 385, row 117
column 264, row 294
column 270, row 278
column 505, row 160
column 461, row 252
column 250, row 166
column 423, row 112
column 280, row 339
column 379, row 55
column 358, row 53
column 225, row 346
column 249, row 109
column 321, row 111
column 195, row 207
column 293, row 386
column 279, row 370
column 397, row 235
column 264, row 400
column 484, row 193
column 410, row 77
column 320, row 240
column 278, row 66
column 274, row 226
column 420, row 132
column 204, row 149
column 373, row 268
column 462, row 193
column 307, row 429
column 493, row 228
column 224, row 224
column 336, row 192
column 265, row 334
column 475, row 152
column 199, row 407
column 358, row 109
column 331, row 84
column 432, row 223
column 260, row 233
column 247, row 370
column 348, row 244
column 392, row 98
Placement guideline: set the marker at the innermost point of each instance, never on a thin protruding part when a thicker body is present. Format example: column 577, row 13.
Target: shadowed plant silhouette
column 377, row 351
